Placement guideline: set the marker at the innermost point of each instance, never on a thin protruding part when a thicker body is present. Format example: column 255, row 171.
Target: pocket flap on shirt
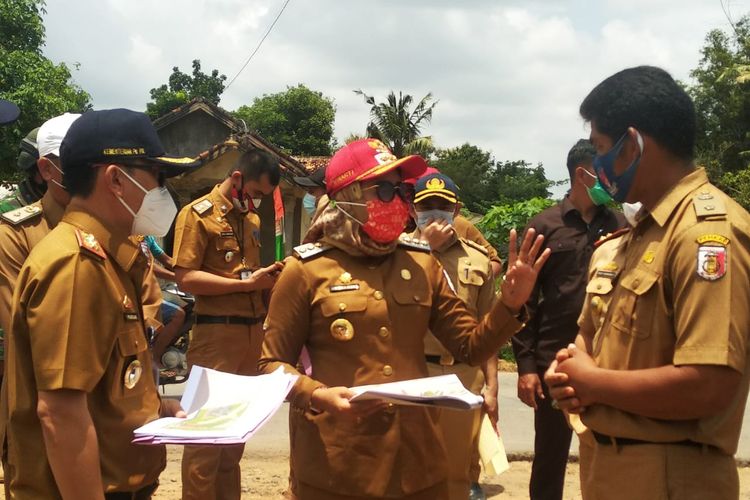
column 342, row 304
column 639, row 281
column 130, row 342
column 599, row 285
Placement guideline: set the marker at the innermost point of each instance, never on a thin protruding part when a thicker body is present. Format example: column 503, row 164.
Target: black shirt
column 558, row 295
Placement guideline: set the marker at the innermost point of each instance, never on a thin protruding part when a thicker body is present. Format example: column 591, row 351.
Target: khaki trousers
column 656, row 472
column 213, row 472
column 460, row 430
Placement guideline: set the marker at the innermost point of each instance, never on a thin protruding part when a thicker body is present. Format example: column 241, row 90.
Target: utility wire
column 257, row 47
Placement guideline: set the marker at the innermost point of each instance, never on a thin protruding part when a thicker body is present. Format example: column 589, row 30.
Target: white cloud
column 509, row 76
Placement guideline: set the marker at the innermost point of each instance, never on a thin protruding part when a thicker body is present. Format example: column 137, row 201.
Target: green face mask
column 597, row 193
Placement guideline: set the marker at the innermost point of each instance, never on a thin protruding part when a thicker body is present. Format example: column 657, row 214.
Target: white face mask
column 426, row 216
column 630, row 211
column 156, row 213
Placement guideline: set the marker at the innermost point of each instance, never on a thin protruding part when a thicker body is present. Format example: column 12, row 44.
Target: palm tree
column 393, row 123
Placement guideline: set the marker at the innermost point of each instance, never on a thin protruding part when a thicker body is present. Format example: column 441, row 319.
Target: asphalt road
column 516, row 425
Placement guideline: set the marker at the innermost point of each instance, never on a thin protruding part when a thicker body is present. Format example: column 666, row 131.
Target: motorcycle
column 174, row 367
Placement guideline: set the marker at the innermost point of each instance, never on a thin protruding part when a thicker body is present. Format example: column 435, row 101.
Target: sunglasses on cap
column 386, row 191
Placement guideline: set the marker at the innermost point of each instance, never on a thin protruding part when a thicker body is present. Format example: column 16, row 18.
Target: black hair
column 254, row 163
column 80, row 180
column 582, row 152
column 648, row 99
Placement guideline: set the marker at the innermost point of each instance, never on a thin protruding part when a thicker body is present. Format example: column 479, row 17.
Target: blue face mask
column 424, row 218
column 308, row 202
column 617, row 186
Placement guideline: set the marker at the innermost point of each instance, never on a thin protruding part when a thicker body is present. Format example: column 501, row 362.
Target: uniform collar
column 52, row 210
column 668, row 203
column 120, row 247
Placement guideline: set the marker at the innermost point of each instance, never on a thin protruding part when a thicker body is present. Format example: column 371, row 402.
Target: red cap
column 367, row 159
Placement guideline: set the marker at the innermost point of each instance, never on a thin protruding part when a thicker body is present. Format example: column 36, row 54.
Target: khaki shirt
column 363, row 321
column 465, row 229
column 16, row 241
column 77, row 324
column 468, row 268
column 674, row 290
column 208, row 233
column 18, row 238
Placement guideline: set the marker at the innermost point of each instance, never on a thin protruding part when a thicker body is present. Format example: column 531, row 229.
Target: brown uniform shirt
column 558, row 295
column 76, row 314
column 465, row 229
column 17, row 240
column 212, row 236
column 468, row 268
column 363, row 321
column 675, row 291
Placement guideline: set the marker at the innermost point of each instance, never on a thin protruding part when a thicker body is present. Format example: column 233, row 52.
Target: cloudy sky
column 509, row 74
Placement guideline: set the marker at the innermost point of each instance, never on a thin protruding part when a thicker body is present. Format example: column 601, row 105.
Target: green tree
column 398, row 126
column 513, row 181
column 721, row 92
column 469, row 167
column 485, row 182
column 497, row 223
column 183, row 88
column 41, row 88
column 299, row 120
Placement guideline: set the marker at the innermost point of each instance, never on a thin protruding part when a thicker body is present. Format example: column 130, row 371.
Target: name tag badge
column 227, row 234
column 344, row 288
column 245, row 274
column 131, row 316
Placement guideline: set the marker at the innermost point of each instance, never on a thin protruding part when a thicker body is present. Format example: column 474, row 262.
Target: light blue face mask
column 308, row 202
column 424, row 218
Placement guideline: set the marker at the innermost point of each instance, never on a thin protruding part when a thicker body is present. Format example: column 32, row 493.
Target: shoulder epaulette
column 706, row 204
column 202, row 206
column 476, row 246
column 88, row 242
column 22, row 214
column 611, row 236
column 414, row 243
column 310, row 250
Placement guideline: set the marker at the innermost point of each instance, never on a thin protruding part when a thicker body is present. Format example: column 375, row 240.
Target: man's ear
column 114, row 179
column 44, row 165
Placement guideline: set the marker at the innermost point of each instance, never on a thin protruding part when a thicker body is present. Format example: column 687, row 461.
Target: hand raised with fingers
column 523, row 268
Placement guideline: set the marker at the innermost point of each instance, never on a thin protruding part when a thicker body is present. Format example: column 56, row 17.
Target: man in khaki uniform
column 665, row 385
column 217, row 258
column 468, row 268
column 361, row 301
column 77, row 314
column 23, row 228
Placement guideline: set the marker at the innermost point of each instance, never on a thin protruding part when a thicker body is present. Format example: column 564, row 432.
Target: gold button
column 342, row 307
column 595, row 302
column 405, row 274
column 383, row 332
column 390, row 409
column 387, row 370
column 378, row 295
column 417, row 298
column 598, row 287
column 709, row 207
column 636, row 282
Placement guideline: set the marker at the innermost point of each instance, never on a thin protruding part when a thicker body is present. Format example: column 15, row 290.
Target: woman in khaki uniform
column 361, row 300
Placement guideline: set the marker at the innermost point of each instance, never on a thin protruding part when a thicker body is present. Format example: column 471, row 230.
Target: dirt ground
column 265, row 477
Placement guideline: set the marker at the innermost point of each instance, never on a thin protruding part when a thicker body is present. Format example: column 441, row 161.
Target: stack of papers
column 445, row 391
column 222, row 408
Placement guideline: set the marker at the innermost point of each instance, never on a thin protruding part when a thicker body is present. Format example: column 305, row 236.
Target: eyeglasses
column 386, row 190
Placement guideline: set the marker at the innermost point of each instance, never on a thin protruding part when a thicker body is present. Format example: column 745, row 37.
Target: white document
column 492, row 449
column 444, row 391
column 222, row 408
